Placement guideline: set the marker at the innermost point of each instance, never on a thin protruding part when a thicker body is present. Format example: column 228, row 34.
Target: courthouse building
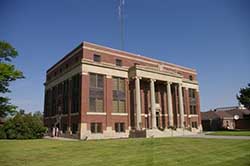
column 98, row 92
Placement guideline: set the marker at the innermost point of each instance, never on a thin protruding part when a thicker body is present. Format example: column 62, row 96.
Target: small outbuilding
column 229, row 118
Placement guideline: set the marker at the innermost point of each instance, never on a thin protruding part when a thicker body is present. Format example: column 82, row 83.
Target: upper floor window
column 97, row 58
column 59, row 89
column 193, row 109
column 76, row 59
column 191, row 93
column 96, row 80
column 118, row 94
column 118, row 62
column 96, row 93
column 191, row 78
column 75, row 91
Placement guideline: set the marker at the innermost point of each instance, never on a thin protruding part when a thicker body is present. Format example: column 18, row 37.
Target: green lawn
column 231, row 133
column 130, row 152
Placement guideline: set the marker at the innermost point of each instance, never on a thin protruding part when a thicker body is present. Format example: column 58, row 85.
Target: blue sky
column 212, row 36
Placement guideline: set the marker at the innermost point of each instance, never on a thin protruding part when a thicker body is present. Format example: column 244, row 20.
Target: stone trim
column 63, row 60
column 190, row 85
column 119, row 114
column 157, row 75
column 88, row 66
column 96, row 113
column 192, row 115
column 67, row 75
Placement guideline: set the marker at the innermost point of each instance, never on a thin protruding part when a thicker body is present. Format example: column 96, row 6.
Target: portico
column 167, row 81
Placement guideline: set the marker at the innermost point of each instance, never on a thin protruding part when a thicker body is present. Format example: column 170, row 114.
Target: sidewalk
column 217, row 137
column 60, row 138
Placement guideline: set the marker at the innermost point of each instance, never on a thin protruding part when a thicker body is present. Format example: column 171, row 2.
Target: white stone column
column 181, row 106
column 170, row 105
column 138, row 103
column 152, row 97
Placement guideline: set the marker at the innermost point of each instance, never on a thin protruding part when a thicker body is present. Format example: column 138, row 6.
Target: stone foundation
column 107, row 134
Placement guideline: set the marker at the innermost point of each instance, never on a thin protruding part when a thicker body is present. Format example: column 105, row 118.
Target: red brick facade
column 68, row 93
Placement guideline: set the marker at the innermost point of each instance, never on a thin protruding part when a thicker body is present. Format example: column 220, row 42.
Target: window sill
column 192, row 115
column 96, row 113
column 119, row 114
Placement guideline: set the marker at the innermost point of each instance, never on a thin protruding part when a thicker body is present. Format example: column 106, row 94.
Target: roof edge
column 138, row 55
column 63, row 58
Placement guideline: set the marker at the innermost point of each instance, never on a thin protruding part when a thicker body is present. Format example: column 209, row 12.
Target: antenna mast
column 121, row 19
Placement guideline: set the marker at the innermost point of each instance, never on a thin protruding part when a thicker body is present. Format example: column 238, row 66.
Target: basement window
column 96, row 127
column 119, row 127
column 194, row 125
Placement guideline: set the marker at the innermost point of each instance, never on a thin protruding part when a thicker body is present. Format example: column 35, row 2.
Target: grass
column 136, row 152
column 231, row 133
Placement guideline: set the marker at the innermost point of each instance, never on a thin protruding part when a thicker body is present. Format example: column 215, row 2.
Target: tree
column 23, row 126
column 8, row 73
column 244, row 97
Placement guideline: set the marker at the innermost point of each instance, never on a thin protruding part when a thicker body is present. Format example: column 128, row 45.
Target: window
column 96, row 92
column 59, row 91
column 191, row 93
column 96, row 81
column 75, row 91
column 96, row 127
column 64, row 127
column 76, row 59
column 193, row 109
column 194, row 125
column 156, row 97
column 192, row 101
column 53, row 105
column 119, row 127
column 191, row 78
column 48, row 103
column 65, row 96
column 118, row 94
column 97, row 58
column 118, row 62
column 74, row 128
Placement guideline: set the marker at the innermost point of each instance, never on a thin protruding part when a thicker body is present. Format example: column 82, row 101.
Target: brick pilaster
column 108, row 98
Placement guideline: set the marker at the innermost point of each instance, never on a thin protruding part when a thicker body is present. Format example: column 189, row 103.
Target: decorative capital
column 108, row 76
column 169, row 83
column 137, row 77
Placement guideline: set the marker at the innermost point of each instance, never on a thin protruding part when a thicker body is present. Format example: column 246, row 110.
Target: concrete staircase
column 151, row 133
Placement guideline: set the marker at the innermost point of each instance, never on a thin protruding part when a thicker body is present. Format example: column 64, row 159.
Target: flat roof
column 82, row 44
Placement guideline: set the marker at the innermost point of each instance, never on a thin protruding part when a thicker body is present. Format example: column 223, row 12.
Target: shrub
column 22, row 126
